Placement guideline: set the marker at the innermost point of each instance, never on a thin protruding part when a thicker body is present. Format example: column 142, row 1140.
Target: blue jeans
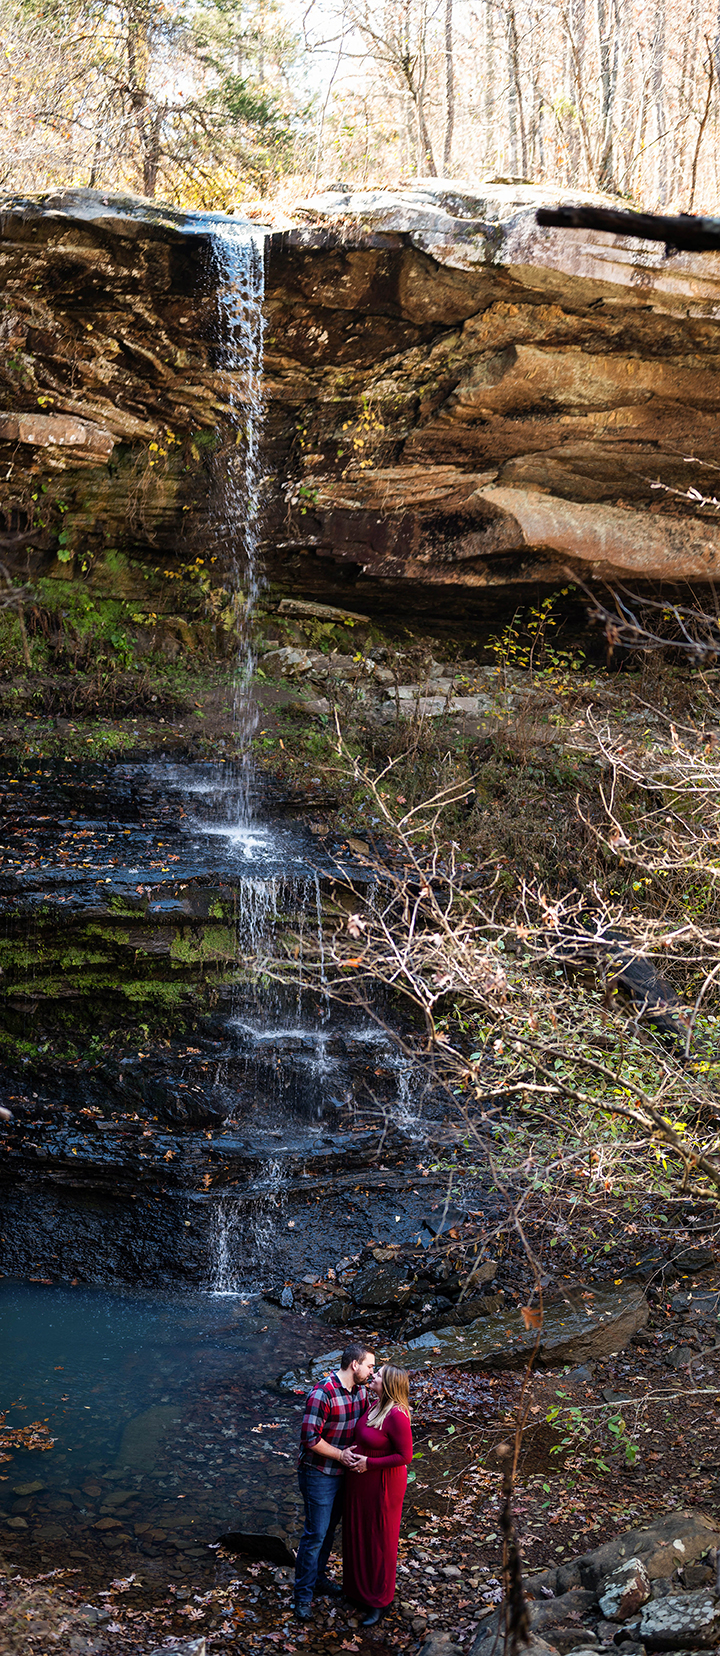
column 323, row 1498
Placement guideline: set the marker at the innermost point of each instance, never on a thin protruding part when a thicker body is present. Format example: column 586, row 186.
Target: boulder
column 588, row 1325
column 378, row 1285
column 675, row 1538
column 441, row 1644
column 556, row 1613
column 269, row 1547
column 625, row 1591
column 682, row 1621
column 544, row 1584
column 580, row 1328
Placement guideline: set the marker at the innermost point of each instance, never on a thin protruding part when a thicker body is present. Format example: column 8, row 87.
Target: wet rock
column 625, row 1591
column 269, row 1547
column 17, row 1523
column 380, row 1285
column 28, row 1488
column 143, row 1437
column 117, row 1498
column 689, row 1621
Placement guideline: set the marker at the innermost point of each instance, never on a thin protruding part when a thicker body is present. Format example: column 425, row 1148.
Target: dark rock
column 545, row 1583
column 682, row 1621
column 569, row 1576
column 380, row 1285
column 569, row 1607
column 486, row 1642
column 268, row 1547
column 675, row 1538
column 692, row 1259
column 580, row 1376
column 441, row 1644
column 574, row 1638
column 442, row 1221
column 699, row 1575
column 680, row 1357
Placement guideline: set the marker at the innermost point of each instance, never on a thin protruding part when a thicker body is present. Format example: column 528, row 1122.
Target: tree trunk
column 608, row 57
column 426, row 151
column 516, row 114
column 151, row 151
column 488, row 112
column 658, row 96
column 449, row 88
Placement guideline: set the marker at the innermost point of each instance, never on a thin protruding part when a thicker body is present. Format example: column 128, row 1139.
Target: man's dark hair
column 354, row 1353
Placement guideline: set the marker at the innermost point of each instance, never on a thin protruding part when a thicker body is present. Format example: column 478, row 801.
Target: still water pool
column 166, row 1423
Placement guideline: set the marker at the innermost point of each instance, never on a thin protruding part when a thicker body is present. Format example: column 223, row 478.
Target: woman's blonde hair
column 395, row 1391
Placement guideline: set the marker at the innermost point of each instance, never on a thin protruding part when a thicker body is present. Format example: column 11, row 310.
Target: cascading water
column 238, row 263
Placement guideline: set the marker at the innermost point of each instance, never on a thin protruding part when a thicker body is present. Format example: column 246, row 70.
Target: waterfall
column 238, row 269
column 244, row 1233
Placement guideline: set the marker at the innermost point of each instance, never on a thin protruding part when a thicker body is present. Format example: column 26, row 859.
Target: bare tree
column 449, row 88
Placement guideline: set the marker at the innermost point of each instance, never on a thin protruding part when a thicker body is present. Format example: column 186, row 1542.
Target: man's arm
column 312, row 1429
column 329, row 1451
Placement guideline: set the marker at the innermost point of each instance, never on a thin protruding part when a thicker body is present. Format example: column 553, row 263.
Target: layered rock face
column 490, row 403
column 454, row 396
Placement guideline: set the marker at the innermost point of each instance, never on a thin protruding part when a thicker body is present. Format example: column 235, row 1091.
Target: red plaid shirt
column 331, row 1413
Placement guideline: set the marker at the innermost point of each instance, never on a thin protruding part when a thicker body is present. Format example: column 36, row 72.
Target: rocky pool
column 167, row 1429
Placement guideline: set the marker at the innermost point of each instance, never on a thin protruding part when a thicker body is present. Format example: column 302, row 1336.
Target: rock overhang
column 544, row 385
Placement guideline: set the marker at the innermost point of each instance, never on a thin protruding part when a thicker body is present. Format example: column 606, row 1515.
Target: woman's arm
column 397, row 1427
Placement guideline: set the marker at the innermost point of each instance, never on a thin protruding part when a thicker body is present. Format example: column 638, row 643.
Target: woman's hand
column 357, row 1463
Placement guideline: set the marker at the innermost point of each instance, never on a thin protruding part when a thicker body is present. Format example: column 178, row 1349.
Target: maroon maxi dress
column 373, row 1508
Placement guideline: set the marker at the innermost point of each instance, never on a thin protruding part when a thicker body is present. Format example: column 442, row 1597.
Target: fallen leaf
column 532, row 1318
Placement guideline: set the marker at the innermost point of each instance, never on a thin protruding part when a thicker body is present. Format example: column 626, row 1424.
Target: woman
column 374, row 1497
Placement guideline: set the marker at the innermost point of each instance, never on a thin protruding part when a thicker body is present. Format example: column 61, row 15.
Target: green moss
column 213, row 943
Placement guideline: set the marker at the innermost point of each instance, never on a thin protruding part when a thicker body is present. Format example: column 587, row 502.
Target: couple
column 355, row 1448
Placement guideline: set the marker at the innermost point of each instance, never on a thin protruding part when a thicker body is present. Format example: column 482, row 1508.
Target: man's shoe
column 328, row 1589
column 372, row 1618
column 302, row 1612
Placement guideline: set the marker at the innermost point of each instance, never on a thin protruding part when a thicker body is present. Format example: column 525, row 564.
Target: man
column 332, row 1410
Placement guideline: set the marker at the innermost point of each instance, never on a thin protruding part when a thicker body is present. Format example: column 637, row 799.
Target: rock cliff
column 455, row 397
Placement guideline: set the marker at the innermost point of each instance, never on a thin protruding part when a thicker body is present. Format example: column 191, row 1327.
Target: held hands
column 354, row 1463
